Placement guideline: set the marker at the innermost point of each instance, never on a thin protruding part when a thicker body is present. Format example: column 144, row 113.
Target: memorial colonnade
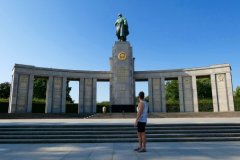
column 23, row 79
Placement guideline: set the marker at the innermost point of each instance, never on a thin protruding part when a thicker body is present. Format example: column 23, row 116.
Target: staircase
column 118, row 133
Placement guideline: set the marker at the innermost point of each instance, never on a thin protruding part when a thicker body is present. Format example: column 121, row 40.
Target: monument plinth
column 122, row 86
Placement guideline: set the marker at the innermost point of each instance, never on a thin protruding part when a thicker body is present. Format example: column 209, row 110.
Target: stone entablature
column 201, row 71
column 73, row 74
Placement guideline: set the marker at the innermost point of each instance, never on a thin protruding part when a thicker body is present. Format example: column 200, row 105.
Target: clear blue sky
column 79, row 34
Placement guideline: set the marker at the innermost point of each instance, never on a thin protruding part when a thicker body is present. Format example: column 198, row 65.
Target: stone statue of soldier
column 121, row 28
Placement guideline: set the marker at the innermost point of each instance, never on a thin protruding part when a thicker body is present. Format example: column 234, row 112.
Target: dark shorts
column 141, row 126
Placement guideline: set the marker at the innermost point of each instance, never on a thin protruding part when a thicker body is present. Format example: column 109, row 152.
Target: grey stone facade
column 122, row 78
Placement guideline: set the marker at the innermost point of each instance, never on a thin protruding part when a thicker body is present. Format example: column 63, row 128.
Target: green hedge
column 4, row 107
column 4, row 103
column 38, row 107
column 237, row 103
column 4, row 100
column 205, row 105
column 72, row 108
column 172, row 105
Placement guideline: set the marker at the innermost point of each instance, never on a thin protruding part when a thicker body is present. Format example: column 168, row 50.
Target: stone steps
column 117, row 140
column 117, row 133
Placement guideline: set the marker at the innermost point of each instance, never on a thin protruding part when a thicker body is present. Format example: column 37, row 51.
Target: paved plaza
column 122, row 151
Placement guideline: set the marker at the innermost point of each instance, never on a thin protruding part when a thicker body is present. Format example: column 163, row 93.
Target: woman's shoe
column 142, row 150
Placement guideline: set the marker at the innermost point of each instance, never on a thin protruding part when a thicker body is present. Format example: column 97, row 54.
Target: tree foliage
column 237, row 92
column 68, row 96
column 172, row 90
column 5, row 90
column 39, row 88
column 204, row 88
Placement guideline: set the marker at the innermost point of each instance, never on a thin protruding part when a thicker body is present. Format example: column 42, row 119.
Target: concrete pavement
column 116, row 121
column 122, row 151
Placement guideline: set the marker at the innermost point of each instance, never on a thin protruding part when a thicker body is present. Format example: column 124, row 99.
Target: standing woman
column 141, row 122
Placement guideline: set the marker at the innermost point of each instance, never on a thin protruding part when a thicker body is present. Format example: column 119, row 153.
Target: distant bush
column 38, row 105
column 4, row 100
column 4, row 103
column 172, row 105
column 72, row 108
column 35, row 100
column 237, row 103
column 205, row 105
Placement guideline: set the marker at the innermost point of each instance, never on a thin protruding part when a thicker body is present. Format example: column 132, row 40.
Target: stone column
column 214, row 93
column 195, row 95
column 180, row 88
column 94, row 98
column 150, row 90
column 64, row 86
column 164, row 108
column 230, row 92
column 156, row 102
column 88, row 95
column 13, row 94
column 81, row 96
column 188, row 94
column 222, row 93
column 30, row 93
column 49, row 95
column 57, row 95
column 22, row 96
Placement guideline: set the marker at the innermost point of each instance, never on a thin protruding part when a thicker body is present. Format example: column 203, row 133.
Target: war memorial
column 122, row 78
column 114, row 138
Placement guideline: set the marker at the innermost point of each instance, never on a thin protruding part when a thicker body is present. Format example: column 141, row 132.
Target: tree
column 172, row 90
column 39, row 88
column 204, row 88
column 68, row 96
column 5, row 90
column 237, row 92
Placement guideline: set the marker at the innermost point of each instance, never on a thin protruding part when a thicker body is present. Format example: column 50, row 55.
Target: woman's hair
column 141, row 95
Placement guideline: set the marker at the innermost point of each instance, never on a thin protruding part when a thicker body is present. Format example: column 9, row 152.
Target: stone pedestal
column 122, row 82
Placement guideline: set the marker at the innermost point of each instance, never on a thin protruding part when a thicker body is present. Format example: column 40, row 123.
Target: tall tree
column 237, row 92
column 68, row 96
column 204, row 88
column 5, row 90
column 172, row 90
column 39, row 88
